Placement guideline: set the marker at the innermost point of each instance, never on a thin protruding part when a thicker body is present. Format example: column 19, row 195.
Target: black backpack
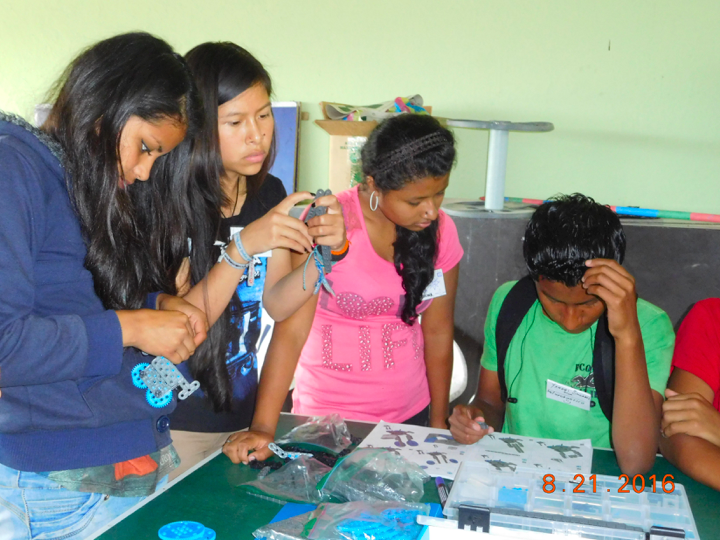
column 514, row 308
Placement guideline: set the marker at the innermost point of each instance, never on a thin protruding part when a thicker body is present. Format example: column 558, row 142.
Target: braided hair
column 404, row 149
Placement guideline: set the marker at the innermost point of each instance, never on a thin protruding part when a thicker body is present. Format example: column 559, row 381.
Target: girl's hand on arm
column 196, row 316
column 691, row 414
column 329, row 228
column 691, row 453
column 158, row 333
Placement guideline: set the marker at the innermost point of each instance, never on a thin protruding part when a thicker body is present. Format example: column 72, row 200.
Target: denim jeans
column 34, row 507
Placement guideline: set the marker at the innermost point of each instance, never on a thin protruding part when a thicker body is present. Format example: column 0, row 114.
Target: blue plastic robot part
column 325, row 251
column 186, row 530
column 160, row 378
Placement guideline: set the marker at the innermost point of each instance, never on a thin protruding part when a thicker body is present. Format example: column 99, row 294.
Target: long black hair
column 136, row 237
column 222, row 71
column 565, row 232
column 400, row 150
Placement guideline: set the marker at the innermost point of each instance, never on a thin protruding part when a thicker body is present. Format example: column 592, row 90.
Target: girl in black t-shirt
column 230, row 163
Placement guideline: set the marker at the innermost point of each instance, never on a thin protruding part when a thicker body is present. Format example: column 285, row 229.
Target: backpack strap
column 513, row 310
column 604, row 367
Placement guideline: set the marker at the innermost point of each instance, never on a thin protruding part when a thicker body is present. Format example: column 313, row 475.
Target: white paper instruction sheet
column 439, row 454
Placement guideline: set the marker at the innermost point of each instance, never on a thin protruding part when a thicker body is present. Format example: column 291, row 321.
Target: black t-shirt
column 196, row 413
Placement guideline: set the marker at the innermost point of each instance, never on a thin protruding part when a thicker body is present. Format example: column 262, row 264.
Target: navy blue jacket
column 67, row 396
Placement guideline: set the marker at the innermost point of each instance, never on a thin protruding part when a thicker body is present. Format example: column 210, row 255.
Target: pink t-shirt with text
column 361, row 360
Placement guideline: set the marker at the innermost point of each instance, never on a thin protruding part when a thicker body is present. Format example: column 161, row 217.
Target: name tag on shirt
column 570, row 396
column 436, row 287
column 234, row 230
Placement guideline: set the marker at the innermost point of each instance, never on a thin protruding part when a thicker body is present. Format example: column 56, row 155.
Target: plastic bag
column 359, row 520
column 295, row 481
column 329, row 433
column 369, row 474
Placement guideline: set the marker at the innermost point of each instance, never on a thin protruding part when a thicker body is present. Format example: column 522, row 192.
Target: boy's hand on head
column 329, row 228
column 615, row 286
column 465, row 424
column 690, row 414
column 246, row 446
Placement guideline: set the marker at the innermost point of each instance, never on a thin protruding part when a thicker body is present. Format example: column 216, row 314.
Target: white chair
column 459, row 378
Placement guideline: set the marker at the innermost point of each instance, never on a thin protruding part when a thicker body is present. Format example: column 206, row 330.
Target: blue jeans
column 34, row 508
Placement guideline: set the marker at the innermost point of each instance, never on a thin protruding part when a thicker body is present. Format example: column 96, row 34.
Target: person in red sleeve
column 691, row 413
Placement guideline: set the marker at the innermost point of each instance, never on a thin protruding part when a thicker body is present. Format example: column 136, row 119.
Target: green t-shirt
column 542, row 350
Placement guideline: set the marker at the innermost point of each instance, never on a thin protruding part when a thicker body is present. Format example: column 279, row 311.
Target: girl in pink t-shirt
column 368, row 356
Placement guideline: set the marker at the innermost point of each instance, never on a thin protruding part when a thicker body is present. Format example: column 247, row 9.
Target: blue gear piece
column 158, row 402
column 161, row 377
column 186, row 530
column 136, row 371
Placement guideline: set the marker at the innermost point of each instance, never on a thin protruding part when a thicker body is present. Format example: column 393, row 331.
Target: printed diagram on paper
column 440, row 455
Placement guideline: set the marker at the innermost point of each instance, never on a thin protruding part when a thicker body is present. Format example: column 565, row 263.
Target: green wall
column 631, row 86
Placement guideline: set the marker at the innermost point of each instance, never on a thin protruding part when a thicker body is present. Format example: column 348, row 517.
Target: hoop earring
column 377, row 201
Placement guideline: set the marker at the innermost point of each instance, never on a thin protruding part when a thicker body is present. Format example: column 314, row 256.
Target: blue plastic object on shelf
column 186, row 530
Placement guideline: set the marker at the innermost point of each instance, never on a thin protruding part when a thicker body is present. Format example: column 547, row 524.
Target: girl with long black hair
column 89, row 229
column 367, row 355
column 230, row 162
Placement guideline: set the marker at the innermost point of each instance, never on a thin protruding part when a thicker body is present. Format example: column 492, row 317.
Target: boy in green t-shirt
column 573, row 250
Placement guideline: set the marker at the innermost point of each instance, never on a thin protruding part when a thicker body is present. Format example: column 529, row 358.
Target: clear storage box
column 623, row 512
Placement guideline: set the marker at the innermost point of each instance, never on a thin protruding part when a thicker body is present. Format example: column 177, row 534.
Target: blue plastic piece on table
column 295, row 509
column 292, row 510
column 186, row 530
column 515, row 496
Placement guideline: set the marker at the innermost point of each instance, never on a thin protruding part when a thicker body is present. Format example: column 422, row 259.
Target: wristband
column 340, row 254
column 241, row 249
column 224, row 256
column 343, row 249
